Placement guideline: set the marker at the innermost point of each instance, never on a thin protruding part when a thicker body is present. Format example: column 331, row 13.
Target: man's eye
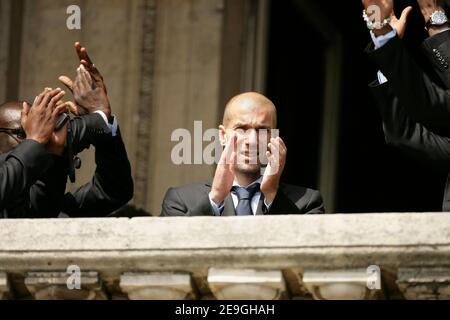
column 21, row 135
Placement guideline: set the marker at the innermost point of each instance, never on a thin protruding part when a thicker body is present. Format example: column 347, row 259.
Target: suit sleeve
column 437, row 49
column 401, row 131
column 20, row 170
column 282, row 204
column 425, row 101
column 112, row 184
column 173, row 205
column 315, row 204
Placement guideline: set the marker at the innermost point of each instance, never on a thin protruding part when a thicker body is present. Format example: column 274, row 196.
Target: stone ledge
column 320, row 256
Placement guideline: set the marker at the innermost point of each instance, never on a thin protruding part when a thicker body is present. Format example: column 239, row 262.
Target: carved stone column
column 249, row 284
column 424, row 283
column 157, row 286
column 57, row 286
column 342, row 284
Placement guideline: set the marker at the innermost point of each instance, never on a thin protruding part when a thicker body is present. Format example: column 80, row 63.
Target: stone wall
column 161, row 61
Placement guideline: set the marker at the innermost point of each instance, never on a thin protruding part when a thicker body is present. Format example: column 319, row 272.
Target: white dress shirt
column 218, row 209
column 378, row 43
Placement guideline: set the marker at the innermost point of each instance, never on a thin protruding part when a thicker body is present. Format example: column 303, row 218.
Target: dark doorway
column 295, row 78
column 371, row 176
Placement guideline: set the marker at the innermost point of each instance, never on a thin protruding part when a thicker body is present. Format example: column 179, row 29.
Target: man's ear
column 222, row 135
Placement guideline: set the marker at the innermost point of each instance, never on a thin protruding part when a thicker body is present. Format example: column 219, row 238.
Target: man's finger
column 86, row 77
column 25, row 109
column 275, row 149
column 282, row 145
column 274, row 145
column 72, row 107
column 233, row 162
column 54, row 100
column 93, row 71
column 67, row 82
column 78, row 50
column 59, row 110
column 47, row 96
column 228, row 150
column 86, row 56
column 39, row 98
column 405, row 14
column 81, row 84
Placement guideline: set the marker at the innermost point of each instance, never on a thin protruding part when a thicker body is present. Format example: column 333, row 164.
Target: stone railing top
column 335, row 240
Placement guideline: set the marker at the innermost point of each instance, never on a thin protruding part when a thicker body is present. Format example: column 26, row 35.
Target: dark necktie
column 245, row 195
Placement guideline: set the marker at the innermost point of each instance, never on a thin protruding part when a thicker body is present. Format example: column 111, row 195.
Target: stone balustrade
column 349, row 256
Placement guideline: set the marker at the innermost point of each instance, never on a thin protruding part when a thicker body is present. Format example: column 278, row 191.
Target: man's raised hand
column 39, row 120
column 383, row 9
column 88, row 87
column 225, row 172
column 277, row 159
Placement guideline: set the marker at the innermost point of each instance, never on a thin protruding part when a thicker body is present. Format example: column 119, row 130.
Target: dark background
column 372, row 177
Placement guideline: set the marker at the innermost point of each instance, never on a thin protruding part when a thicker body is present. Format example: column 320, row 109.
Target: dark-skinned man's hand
column 88, row 88
column 57, row 141
column 39, row 120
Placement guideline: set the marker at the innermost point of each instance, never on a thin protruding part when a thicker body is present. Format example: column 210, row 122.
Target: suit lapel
column 229, row 209
column 259, row 210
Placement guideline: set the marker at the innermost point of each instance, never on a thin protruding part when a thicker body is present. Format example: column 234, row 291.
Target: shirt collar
column 235, row 184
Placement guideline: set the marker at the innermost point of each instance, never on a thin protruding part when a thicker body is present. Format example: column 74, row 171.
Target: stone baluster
column 356, row 284
column 65, row 286
column 235, row 284
column 157, row 286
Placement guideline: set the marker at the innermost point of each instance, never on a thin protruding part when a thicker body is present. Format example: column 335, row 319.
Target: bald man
column 242, row 185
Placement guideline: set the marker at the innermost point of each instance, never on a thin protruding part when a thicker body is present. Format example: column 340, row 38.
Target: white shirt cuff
column 113, row 126
column 217, row 209
column 382, row 40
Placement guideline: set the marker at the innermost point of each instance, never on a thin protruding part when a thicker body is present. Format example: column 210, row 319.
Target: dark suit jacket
column 193, row 200
column 416, row 110
column 410, row 136
column 19, row 171
column 425, row 101
column 437, row 50
column 110, row 188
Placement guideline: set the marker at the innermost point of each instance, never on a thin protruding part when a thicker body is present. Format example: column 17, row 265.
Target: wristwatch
column 437, row 18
